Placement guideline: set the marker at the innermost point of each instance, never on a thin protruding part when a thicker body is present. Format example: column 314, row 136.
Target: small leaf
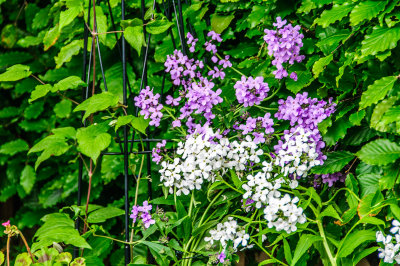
column 305, row 242
column 28, row 178
column 23, row 259
column 380, row 109
column 287, row 251
column 1, row 257
column 92, row 140
column 15, row 72
column 67, row 16
column 330, row 212
column 134, row 36
column 67, row 52
column 379, row 152
column 158, row 26
column 97, row 102
column 71, row 82
column 220, row 23
column 140, row 124
column 53, row 145
column 101, row 215
column 51, row 37
column 355, row 239
column 303, row 78
column 123, row 120
column 377, row 91
column 356, row 118
column 319, row 66
column 39, row 92
column 13, row 147
column 337, row 12
column 334, row 163
column 63, row 109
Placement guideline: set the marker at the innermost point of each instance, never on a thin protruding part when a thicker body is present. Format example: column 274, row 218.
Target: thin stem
column 325, row 243
column 26, row 245
column 8, row 250
column 268, row 254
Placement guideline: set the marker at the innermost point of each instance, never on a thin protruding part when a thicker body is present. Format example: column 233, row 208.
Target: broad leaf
column 377, row 91
column 219, row 23
column 336, row 13
column 305, row 242
column 380, row 40
column 97, row 102
column 92, row 140
column 366, row 10
column 13, row 147
column 16, row 72
column 369, row 183
column 101, row 215
column 39, row 92
column 354, row 240
column 379, row 152
column 67, row 16
column 380, row 109
column 134, row 36
column 334, row 163
column 319, row 66
column 71, row 82
column 28, row 178
column 67, row 52
column 158, row 26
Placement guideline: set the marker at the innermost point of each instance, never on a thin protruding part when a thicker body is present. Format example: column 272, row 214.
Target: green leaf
column 305, row 242
column 380, row 40
column 330, row 212
column 287, row 251
column 352, row 184
column 366, row 10
column 51, row 37
column 58, row 227
column 63, row 108
column 123, row 120
column 131, row 23
column 380, row 109
column 369, row 183
column 337, row 131
column 71, row 82
column 319, row 66
column 303, row 78
column 359, row 256
column 23, row 259
column 203, row 228
column 140, row 124
column 92, row 140
column 355, row 239
column 334, row 163
column 1, row 257
column 34, row 110
column 13, row 147
column 158, row 26
column 134, row 36
column 379, row 152
column 28, row 178
column 41, row 18
column 11, row 58
column 39, row 92
column 220, row 23
column 67, row 52
column 391, row 115
column 372, row 220
column 356, row 118
column 377, row 91
column 15, row 72
column 337, row 12
column 97, row 102
column 346, row 63
column 101, row 215
column 329, row 43
column 67, row 16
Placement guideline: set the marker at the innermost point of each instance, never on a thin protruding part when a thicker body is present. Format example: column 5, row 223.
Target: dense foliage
column 238, row 100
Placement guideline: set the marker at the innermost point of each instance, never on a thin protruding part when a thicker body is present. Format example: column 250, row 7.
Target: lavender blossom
column 151, row 108
column 251, row 91
column 157, row 150
column 144, row 213
column 331, row 179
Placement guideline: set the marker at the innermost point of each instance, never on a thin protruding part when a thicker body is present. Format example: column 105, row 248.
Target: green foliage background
column 351, row 50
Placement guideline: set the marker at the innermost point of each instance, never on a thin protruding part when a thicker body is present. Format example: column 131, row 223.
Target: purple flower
column 284, row 45
column 144, row 213
column 214, row 36
column 251, row 91
column 172, row 101
column 221, row 257
column 135, row 213
column 331, row 179
column 156, row 157
column 150, row 106
column 191, row 41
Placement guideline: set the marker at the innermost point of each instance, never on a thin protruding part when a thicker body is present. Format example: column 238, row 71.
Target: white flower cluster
column 200, row 158
column 228, row 231
column 391, row 250
column 297, row 154
column 280, row 211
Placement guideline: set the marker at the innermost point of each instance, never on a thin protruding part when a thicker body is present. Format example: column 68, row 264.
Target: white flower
column 396, row 227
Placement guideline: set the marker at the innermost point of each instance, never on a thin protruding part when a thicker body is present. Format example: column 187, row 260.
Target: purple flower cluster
column 157, row 150
column 198, row 89
column 306, row 113
column 151, row 108
column 143, row 212
column 258, row 127
column 251, row 91
column 329, row 178
column 221, row 257
column 284, row 45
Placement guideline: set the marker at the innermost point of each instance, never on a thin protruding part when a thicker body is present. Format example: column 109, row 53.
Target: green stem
column 173, row 117
column 233, row 68
column 325, row 243
column 269, row 254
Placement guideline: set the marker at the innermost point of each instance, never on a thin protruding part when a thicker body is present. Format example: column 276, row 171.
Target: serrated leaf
column 337, row 12
column 369, row 183
column 41, row 18
column 15, row 72
column 67, row 52
column 131, row 23
column 305, row 242
column 101, row 215
column 71, row 82
column 334, row 163
column 134, row 36
column 380, row 109
column 23, row 259
column 97, row 102
column 28, row 178
column 379, row 152
column 13, row 147
column 303, row 78
column 380, row 40
column 329, row 44
column 220, row 23
column 357, row 117
column 10, row 111
column 354, row 240
column 366, row 10
column 377, row 91
column 391, row 115
column 63, row 109
column 337, row 131
column 67, row 16
column 158, row 26
column 39, row 91
column 51, row 37
column 92, row 140
column 346, row 63
column 319, row 66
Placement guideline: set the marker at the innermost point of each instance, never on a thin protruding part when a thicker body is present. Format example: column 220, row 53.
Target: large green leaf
column 67, row 52
column 336, row 13
column 219, row 23
column 334, row 163
column 101, row 215
column 366, row 10
column 39, row 92
column 13, row 147
column 53, row 145
column 379, row 152
column 158, row 26
column 369, row 183
column 15, row 72
column 92, row 140
column 381, row 39
column 380, row 109
column 67, row 16
column 71, row 82
column 377, row 91
column 319, row 66
column 28, row 178
column 97, row 102
column 134, row 36
column 305, row 242
column 354, row 240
